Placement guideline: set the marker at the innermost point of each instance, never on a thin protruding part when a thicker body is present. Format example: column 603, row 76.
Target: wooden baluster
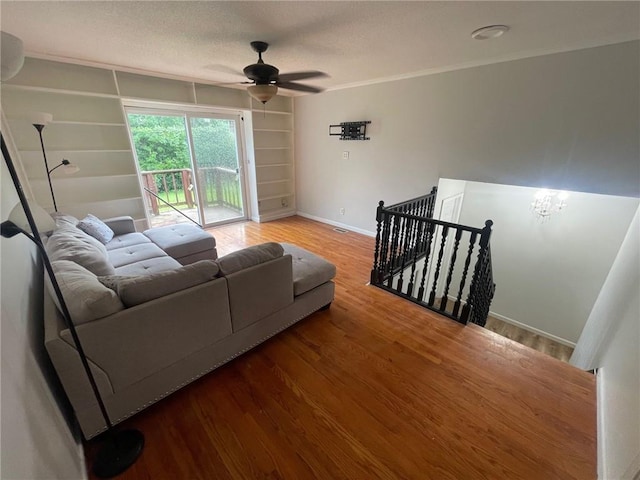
column 384, row 249
column 408, row 224
column 432, row 296
column 483, row 244
column 467, row 262
column 394, row 247
column 452, row 262
column 418, row 237
column 430, row 230
column 375, row 271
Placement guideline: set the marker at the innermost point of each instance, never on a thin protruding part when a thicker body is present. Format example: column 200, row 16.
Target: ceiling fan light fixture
column 262, row 93
column 491, row 31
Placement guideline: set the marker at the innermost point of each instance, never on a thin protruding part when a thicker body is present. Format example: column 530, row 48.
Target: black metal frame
column 351, row 130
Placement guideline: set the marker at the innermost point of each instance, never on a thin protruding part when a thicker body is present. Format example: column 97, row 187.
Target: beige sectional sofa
column 150, row 325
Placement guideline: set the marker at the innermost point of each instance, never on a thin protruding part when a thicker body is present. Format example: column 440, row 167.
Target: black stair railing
column 429, row 261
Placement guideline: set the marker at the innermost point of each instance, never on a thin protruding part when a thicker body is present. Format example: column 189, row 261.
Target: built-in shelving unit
column 273, row 145
column 89, row 129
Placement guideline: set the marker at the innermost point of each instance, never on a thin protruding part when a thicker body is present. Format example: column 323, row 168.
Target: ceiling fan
column 266, row 79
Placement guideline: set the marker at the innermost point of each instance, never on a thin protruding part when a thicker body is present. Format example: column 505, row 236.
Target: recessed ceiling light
column 492, row 31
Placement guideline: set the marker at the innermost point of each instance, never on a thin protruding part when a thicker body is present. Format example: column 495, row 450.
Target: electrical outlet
column 345, row 155
column 284, row 202
column 342, row 211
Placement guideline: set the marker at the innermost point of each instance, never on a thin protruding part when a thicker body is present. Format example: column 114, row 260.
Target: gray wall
column 568, row 121
column 548, row 273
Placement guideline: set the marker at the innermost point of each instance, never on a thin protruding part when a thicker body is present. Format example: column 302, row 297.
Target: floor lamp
column 120, row 449
column 41, row 120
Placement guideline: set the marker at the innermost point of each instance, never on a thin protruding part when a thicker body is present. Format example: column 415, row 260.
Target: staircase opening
column 443, row 266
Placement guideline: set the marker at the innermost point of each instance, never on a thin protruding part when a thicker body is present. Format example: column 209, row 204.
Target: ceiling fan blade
column 299, row 87
column 289, row 77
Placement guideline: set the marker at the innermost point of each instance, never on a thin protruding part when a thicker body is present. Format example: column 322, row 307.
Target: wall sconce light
column 547, row 202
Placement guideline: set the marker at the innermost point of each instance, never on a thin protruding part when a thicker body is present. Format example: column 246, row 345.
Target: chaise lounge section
column 153, row 325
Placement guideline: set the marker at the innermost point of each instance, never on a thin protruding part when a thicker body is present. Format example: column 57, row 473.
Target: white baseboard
column 533, row 330
column 274, row 216
column 336, row 224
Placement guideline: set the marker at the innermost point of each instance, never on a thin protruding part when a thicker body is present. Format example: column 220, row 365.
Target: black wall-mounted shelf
column 351, row 130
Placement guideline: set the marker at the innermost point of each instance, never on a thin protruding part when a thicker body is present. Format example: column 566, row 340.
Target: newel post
column 374, row 272
column 485, row 235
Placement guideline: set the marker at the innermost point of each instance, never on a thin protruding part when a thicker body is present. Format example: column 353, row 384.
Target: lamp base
column 119, row 452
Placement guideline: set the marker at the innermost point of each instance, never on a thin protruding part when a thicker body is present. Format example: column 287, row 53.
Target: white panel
column 64, row 76
column 64, row 108
column 221, row 97
column 154, row 88
column 278, row 103
column 70, row 137
column 271, row 139
column 90, row 163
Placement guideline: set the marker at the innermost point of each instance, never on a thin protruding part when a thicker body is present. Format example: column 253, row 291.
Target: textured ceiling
column 353, row 42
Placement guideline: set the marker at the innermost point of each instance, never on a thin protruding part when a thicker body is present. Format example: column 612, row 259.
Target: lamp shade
column 11, row 56
column 262, row 93
column 40, row 118
column 44, row 221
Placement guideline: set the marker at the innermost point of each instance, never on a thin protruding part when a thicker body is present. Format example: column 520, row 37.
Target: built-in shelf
column 80, row 122
column 82, row 93
column 270, row 112
column 274, row 165
column 271, row 197
column 273, row 148
column 271, row 182
column 271, row 130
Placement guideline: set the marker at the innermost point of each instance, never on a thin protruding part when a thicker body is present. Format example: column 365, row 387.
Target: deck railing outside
column 220, row 187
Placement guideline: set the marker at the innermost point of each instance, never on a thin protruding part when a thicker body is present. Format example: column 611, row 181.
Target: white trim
column 533, row 330
column 267, row 217
column 336, row 224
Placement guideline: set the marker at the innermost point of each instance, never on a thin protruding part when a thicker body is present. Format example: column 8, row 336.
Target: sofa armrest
column 258, row 291
column 121, row 225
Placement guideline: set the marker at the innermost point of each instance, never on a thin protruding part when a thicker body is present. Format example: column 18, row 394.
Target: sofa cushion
column 136, row 290
column 309, row 270
column 181, row 240
column 134, row 253
column 95, row 227
column 149, row 266
column 86, row 298
column 71, row 243
column 62, row 219
column 248, row 257
column 126, row 240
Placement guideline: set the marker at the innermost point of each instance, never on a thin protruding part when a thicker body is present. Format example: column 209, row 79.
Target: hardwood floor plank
column 373, row 388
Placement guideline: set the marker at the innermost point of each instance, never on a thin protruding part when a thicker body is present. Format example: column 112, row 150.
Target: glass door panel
column 217, row 166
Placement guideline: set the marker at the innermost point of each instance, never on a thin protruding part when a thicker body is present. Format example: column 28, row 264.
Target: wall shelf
column 274, row 165
column 272, row 197
column 273, row 148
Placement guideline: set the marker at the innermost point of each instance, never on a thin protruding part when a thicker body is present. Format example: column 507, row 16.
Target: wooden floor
column 533, row 340
column 374, row 387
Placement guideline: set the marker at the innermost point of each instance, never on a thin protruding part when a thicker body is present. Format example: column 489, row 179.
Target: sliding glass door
column 217, row 166
column 190, row 165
